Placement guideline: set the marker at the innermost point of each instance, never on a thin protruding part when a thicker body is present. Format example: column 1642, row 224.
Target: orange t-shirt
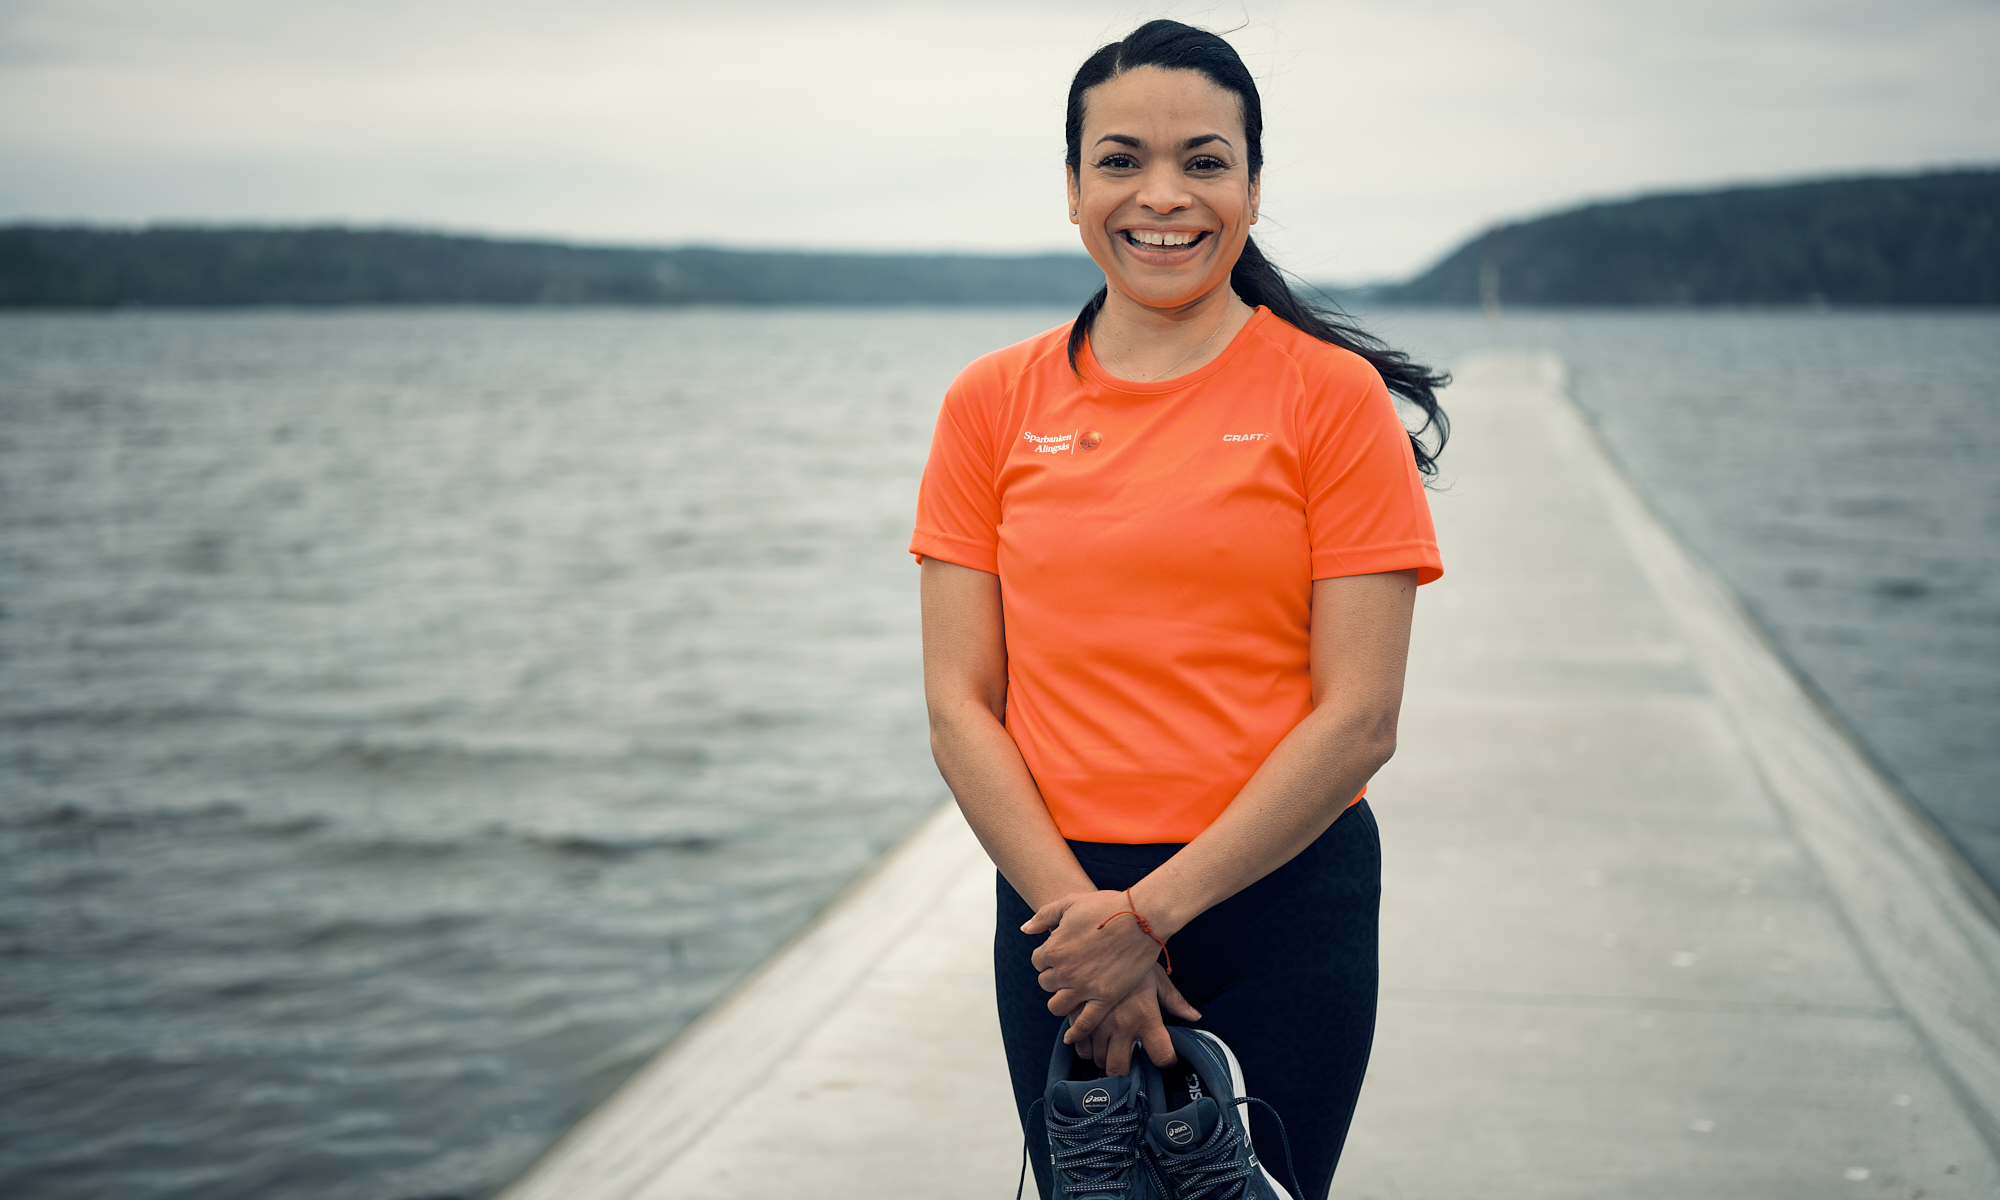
column 1156, row 545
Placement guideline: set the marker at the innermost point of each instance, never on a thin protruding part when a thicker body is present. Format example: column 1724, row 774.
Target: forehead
column 1174, row 104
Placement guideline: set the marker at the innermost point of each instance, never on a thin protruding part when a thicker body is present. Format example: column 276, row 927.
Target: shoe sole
column 1236, row 1089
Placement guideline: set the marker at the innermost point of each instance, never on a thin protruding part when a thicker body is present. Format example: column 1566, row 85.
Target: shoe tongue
column 1090, row 1097
column 1186, row 1129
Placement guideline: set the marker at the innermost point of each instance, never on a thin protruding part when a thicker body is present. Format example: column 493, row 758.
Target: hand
column 1090, row 961
column 1136, row 1020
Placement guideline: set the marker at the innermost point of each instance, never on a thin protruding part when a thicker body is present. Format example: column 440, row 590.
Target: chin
column 1167, row 293
column 1161, row 286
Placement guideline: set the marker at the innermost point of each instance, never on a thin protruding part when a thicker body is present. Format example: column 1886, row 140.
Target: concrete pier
column 1651, row 927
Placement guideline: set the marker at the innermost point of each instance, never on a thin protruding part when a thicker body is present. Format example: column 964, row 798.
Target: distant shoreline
column 74, row 266
column 1922, row 240
column 1355, row 308
column 1926, row 239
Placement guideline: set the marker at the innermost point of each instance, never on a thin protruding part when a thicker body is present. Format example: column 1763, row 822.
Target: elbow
column 1357, row 743
column 940, row 736
column 1360, row 731
column 1383, row 749
column 952, row 725
column 943, row 744
column 1379, row 740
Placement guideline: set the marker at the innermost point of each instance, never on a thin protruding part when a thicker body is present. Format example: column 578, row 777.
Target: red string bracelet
column 1144, row 928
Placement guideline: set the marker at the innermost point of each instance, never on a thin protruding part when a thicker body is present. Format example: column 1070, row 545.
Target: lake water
column 1842, row 471
column 410, row 720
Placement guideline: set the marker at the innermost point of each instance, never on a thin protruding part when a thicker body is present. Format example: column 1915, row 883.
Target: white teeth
column 1163, row 237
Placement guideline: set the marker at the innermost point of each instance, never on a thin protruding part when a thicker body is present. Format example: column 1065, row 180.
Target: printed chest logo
column 1085, row 440
column 1246, row 437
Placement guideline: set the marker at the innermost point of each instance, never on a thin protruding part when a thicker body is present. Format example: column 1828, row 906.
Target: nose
column 1162, row 189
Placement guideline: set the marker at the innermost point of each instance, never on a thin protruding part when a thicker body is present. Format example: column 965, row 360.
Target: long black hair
column 1177, row 47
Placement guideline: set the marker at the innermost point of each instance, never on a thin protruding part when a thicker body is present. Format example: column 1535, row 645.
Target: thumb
column 1171, row 1000
column 1049, row 915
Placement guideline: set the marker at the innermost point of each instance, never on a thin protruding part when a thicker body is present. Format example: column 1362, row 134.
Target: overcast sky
column 1394, row 130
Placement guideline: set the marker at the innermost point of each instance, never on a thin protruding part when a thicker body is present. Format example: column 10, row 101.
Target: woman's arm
column 1360, row 645
column 965, row 686
column 1360, row 649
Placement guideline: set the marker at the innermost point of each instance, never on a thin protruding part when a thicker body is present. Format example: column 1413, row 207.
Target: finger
column 1101, row 1040
column 1119, row 1060
column 1047, row 917
column 1049, row 979
column 1172, row 1002
column 1100, row 1045
column 1085, row 1020
column 1063, row 1003
column 1159, row 1043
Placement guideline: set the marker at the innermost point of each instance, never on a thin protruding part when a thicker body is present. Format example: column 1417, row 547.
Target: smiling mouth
column 1164, row 239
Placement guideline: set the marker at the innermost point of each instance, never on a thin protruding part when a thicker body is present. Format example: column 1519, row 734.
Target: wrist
column 1155, row 900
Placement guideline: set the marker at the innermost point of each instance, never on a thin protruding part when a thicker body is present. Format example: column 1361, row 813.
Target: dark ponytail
column 1177, row 47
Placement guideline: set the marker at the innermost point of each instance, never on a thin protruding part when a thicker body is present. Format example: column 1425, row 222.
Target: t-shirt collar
column 1095, row 372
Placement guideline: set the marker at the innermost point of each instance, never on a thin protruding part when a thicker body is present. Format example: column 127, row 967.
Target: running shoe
column 1093, row 1123
column 1195, row 1136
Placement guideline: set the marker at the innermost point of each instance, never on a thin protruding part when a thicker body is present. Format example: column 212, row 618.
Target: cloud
column 1393, row 129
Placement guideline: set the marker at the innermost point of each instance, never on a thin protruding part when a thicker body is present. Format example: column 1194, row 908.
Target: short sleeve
column 1366, row 511
column 958, row 503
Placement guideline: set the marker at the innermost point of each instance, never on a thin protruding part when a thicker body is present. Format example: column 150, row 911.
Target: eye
column 1117, row 162
column 1207, row 162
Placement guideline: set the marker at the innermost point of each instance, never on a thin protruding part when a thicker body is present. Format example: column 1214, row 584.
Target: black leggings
column 1284, row 971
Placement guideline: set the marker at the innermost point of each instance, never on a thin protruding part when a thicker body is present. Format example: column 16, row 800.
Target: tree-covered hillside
column 70, row 266
column 1913, row 239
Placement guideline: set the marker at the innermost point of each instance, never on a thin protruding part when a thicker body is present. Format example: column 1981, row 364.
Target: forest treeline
column 1930, row 239
column 1925, row 239
column 82, row 267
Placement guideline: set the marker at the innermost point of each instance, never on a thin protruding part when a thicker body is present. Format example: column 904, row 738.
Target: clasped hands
column 1105, row 975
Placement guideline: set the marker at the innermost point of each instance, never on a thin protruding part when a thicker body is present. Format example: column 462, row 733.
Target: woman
column 1170, row 553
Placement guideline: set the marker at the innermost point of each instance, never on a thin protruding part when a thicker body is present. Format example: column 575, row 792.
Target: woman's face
column 1164, row 195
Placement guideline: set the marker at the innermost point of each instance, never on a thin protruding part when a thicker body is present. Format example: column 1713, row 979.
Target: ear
column 1075, row 194
column 1256, row 194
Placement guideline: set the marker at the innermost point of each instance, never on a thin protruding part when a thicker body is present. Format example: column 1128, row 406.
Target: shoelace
column 1094, row 1154
column 1221, row 1164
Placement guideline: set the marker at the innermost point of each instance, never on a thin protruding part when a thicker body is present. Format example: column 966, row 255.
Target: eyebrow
column 1191, row 143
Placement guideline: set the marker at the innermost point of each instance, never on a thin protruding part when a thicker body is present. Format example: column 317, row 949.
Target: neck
column 1142, row 343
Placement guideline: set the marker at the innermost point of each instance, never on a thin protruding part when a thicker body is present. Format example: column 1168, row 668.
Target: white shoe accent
column 1236, row 1090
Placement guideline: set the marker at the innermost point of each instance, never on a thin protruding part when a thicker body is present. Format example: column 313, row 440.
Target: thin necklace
column 1120, row 364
